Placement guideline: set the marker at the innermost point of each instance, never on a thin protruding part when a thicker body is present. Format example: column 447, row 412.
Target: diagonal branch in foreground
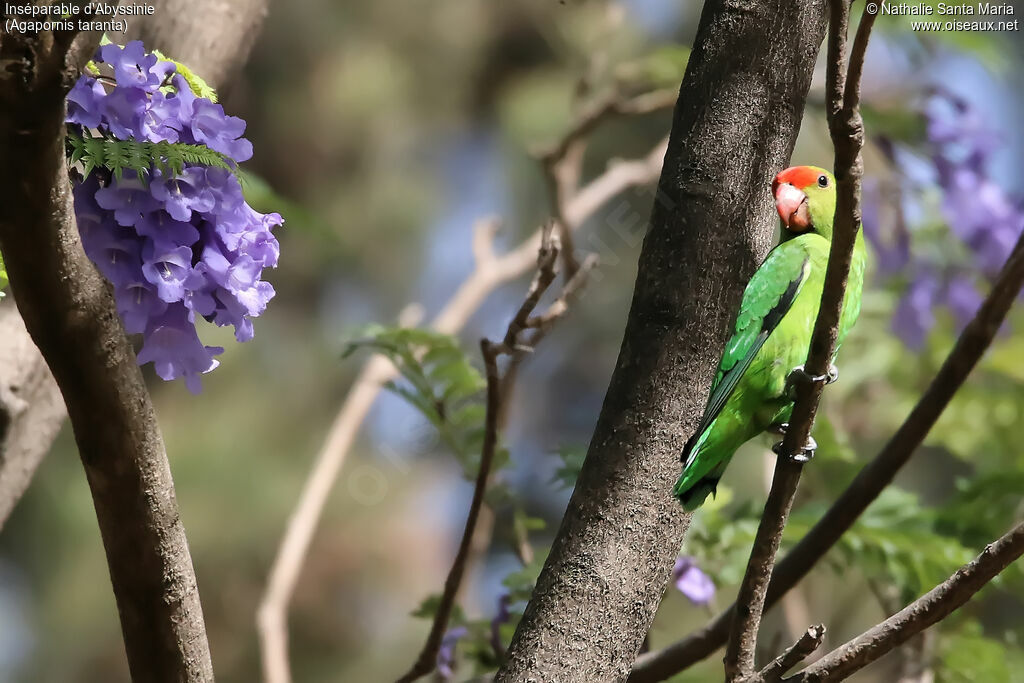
column 868, row 483
column 490, row 272
column 514, row 344
column 847, row 132
column 930, row 608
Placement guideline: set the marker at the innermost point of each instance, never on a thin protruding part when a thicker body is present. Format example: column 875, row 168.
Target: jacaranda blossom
column 981, row 215
column 692, row 582
column 173, row 247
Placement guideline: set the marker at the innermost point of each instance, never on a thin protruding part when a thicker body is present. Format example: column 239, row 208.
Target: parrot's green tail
column 692, row 496
column 696, row 483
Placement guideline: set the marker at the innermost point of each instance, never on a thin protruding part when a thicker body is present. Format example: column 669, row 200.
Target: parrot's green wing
column 767, row 298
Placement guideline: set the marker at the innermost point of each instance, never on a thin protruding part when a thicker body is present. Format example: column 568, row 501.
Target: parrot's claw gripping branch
column 799, row 374
column 802, row 455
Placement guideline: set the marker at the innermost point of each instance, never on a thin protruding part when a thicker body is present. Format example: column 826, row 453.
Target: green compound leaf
column 438, row 379
column 117, row 156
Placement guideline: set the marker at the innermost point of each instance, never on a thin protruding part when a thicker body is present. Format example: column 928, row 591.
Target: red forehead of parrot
column 797, row 176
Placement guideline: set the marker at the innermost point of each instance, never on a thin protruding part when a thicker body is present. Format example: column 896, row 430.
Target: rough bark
column 69, row 311
column 734, row 126
column 213, row 37
column 31, row 409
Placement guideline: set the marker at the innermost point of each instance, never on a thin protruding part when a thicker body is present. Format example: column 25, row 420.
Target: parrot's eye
column 823, row 181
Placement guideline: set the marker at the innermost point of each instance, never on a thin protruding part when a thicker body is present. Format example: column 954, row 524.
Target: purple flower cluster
column 977, row 208
column 979, row 213
column 173, row 247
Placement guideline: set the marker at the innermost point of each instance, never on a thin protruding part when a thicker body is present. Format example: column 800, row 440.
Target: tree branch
column 802, row 649
column 868, row 483
column 513, row 344
column 69, row 311
column 847, row 137
column 739, row 654
column 930, row 608
column 31, row 409
column 490, row 272
column 562, row 161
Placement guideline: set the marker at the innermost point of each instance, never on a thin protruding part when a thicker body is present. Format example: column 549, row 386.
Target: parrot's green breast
column 771, row 336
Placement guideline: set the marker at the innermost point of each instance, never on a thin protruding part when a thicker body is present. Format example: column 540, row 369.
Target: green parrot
column 751, row 392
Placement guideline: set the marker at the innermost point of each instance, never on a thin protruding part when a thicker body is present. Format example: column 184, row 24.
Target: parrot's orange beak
column 791, row 204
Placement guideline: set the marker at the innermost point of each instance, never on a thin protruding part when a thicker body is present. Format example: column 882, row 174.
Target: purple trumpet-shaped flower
column 219, row 132
column 123, row 111
column 170, row 342
column 133, row 67
column 446, row 653
column 138, row 303
column 160, row 227
column 167, row 269
column 692, row 582
column 128, row 198
column 182, row 195
column 114, row 249
column 174, row 248
column 85, row 102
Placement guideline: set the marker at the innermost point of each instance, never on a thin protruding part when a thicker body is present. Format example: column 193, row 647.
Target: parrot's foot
column 798, row 374
column 803, row 454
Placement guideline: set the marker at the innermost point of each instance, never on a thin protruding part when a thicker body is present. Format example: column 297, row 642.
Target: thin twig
column 426, row 661
column 868, row 483
column 927, row 610
column 847, row 138
column 497, row 388
column 611, row 106
column 490, row 272
column 563, row 161
column 802, row 649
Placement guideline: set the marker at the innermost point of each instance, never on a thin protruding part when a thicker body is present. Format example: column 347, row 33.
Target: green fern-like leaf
column 117, row 156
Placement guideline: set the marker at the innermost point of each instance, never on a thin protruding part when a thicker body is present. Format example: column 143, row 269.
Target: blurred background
column 386, row 130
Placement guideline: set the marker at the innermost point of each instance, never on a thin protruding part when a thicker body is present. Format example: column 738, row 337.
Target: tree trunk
column 734, row 128
column 69, row 311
